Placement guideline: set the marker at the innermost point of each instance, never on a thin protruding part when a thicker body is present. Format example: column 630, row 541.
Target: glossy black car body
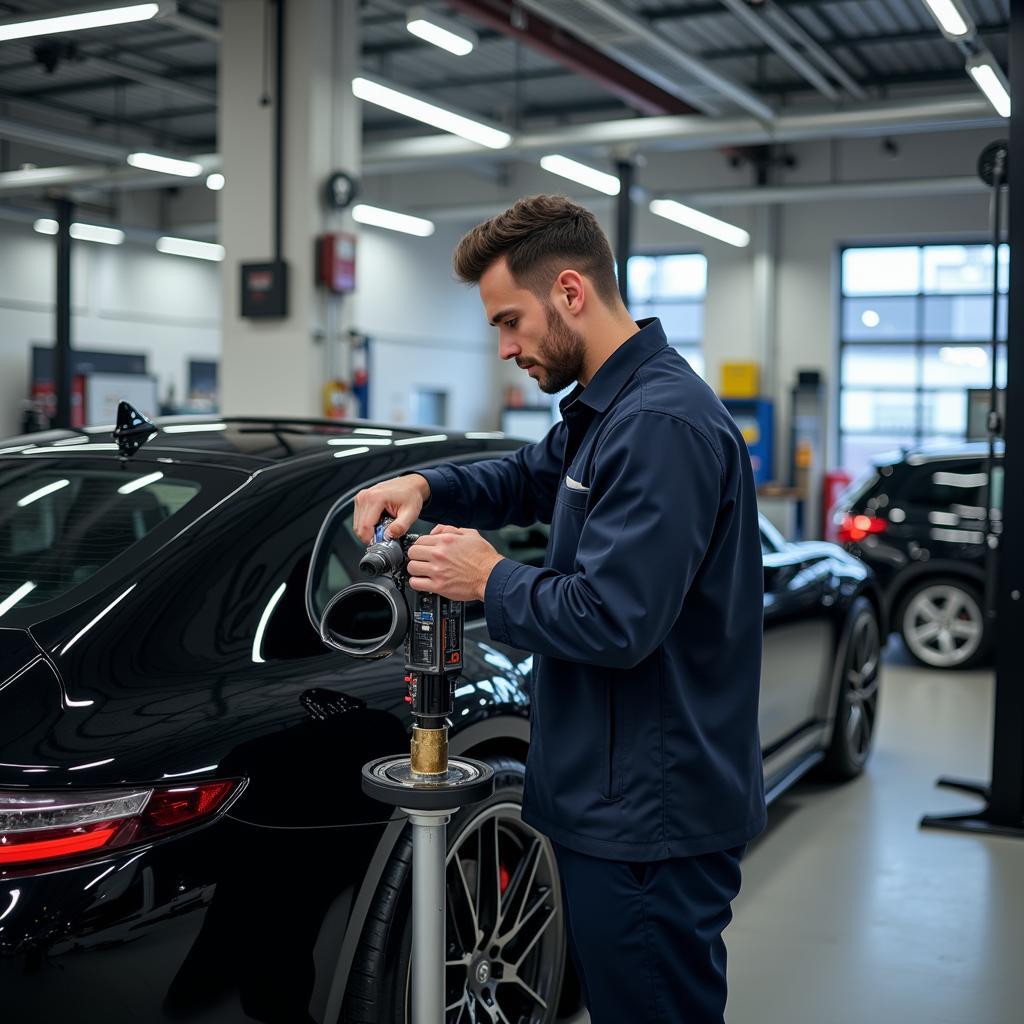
column 918, row 519
column 191, row 656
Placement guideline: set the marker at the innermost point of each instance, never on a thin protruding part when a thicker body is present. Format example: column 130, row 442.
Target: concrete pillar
column 278, row 366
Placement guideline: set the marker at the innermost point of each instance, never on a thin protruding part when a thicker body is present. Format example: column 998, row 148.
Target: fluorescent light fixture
column 83, row 232
column 484, row 435
column 989, row 78
column 575, row 171
column 97, row 233
column 76, row 20
column 706, row 225
column 441, row 31
column 165, row 164
column 952, row 18
column 379, row 431
column 429, row 113
column 57, row 485
column 189, row 247
column 380, row 218
column 346, row 452
column 12, row 599
column 347, row 442
column 143, row 481
column 215, row 181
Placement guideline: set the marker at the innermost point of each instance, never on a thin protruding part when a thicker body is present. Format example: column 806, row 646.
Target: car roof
column 920, row 454
column 245, row 442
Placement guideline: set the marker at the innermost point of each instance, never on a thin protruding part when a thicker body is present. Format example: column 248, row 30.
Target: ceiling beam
column 571, row 52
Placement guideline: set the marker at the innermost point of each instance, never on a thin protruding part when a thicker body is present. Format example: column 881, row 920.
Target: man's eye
column 511, row 323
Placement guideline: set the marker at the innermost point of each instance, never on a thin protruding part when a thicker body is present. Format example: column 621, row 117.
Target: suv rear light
column 856, row 527
column 37, row 827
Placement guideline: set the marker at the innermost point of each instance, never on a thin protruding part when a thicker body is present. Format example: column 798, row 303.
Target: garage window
column 914, row 321
column 672, row 286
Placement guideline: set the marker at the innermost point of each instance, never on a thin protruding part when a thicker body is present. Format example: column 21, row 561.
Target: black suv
column 918, row 519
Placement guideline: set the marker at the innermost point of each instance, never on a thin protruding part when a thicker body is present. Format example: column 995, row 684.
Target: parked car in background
column 918, row 518
column 183, row 834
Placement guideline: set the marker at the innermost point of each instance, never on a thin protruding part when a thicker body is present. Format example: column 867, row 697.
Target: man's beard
column 561, row 353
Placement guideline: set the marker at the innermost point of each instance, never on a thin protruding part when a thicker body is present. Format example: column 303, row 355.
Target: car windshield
column 59, row 526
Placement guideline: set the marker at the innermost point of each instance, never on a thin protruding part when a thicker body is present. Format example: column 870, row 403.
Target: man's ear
column 570, row 292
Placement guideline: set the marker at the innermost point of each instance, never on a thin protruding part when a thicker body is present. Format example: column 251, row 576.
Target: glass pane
column 1004, row 268
column 682, row 321
column 856, row 452
column 957, row 485
column 967, row 366
column 957, row 268
column 879, row 364
column 945, row 412
column 894, row 270
column 684, row 275
column 885, row 412
column 956, row 318
column 879, row 319
column 641, row 270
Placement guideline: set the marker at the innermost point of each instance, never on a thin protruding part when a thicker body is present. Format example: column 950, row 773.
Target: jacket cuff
column 442, row 492
column 494, row 596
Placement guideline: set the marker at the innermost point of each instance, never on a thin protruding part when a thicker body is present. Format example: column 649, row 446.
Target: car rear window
column 59, row 526
column 955, row 485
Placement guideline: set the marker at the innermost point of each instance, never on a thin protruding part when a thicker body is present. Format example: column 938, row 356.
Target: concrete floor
column 850, row 914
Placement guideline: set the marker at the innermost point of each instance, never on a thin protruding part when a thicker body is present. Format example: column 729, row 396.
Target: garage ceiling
column 156, row 82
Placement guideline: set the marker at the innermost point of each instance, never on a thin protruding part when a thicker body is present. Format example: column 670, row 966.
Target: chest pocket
column 567, row 525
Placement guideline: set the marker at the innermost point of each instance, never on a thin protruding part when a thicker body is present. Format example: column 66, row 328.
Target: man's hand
column 453, row 563
column 402, row 498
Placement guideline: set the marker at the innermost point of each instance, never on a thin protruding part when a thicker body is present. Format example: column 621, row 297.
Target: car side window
column 955, row 486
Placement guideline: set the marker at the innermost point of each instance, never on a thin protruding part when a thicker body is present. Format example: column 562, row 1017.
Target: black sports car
column 183, row 835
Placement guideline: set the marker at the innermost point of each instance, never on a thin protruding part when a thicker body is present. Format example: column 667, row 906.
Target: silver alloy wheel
column 504, row 929
column 863, row 654
column 943, row 625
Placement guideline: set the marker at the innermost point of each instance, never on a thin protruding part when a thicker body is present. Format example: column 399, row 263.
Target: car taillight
column 857, row 527
column 39, row 827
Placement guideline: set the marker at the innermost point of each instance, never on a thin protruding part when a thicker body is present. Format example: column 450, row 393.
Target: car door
column 797, row 638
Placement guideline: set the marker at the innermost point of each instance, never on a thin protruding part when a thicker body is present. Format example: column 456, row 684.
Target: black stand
column 1003, row 810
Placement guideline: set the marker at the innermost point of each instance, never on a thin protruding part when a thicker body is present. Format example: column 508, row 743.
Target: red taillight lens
column 856, row 527
column 36, row 827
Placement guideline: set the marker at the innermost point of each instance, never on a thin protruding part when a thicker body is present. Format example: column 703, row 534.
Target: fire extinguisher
column 836, row 481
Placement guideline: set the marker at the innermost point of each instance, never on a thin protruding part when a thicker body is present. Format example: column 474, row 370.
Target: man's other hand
column 453, row 563
column 402, row 498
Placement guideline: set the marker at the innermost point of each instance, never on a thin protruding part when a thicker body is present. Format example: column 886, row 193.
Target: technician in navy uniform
column 645, row 765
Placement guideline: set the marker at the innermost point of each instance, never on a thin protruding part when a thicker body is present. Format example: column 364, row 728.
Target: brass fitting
column 429, row 752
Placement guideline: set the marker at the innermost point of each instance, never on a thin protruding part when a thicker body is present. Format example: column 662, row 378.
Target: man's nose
column 507, row 348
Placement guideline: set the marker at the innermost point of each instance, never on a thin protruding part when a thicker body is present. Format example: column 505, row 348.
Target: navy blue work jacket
column 646, row 619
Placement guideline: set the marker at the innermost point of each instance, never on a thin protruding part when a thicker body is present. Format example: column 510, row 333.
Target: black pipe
column 279, row 134
column 624, row 225
column 62, row 347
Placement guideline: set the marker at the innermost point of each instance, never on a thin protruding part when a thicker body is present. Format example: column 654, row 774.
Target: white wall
column 126, row 298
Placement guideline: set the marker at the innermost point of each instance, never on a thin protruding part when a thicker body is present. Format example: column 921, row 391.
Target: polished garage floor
column 850, row 914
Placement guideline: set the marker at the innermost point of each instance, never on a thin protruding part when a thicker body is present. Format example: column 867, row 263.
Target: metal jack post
column 430, row 787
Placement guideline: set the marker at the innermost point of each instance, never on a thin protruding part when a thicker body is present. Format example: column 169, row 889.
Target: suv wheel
column 942, row 622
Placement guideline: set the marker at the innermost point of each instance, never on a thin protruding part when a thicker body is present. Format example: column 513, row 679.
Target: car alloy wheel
column 860, row 702
column 943, row 625
column 504, row 928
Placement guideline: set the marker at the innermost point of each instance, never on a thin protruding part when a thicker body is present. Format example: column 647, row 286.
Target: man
column 644, row 766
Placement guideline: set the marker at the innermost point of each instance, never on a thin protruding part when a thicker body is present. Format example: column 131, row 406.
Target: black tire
column 378, row 987
column 858, row 662
column 954, row 611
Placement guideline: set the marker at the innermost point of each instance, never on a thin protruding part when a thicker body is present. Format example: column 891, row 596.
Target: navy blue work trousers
column 646, row 938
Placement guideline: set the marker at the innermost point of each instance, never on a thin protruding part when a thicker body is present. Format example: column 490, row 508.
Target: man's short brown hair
column 540, row 236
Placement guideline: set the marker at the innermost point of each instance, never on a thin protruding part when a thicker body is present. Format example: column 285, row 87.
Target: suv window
column 955, row 486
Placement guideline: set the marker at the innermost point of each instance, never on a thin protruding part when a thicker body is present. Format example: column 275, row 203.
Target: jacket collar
column 618, row 368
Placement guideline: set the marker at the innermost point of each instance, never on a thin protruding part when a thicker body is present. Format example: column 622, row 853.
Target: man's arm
column 661, row 487
column 518, row 488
